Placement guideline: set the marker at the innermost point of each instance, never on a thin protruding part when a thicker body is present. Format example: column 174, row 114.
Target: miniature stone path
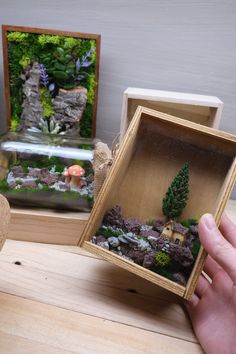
column 61, row 299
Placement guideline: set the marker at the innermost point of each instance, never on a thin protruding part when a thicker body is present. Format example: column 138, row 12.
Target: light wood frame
column 201, row 109
column 5, row 219
column 7, row 28
column 211, row 155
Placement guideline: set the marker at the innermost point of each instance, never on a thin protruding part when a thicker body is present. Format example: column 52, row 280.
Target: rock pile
column 140, row 243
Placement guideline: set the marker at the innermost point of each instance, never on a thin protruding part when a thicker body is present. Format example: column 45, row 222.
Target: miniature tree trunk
column 177, row 194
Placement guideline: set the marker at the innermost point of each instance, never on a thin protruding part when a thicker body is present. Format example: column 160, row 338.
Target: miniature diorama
column 167, row 173
column 165, row 246
column 51, row 80
column 48, row 171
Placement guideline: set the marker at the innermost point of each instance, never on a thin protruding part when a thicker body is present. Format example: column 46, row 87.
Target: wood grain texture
column 155, row 146
column 62, row 299
column 89, row 285
column 4, row 219
column 64, row 228
column 61, row 330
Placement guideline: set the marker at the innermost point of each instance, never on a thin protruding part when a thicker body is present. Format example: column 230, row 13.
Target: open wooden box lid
column 155, row 146
column 201, row 109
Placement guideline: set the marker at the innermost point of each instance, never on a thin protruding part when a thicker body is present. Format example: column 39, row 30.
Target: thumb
column 217, row 246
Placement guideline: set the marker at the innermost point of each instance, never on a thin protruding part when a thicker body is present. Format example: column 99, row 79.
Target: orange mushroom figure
column 73, row 176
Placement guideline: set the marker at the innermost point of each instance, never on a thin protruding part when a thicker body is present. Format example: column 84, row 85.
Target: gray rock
column 29, row 184
column 17, row 171
column 113, row 241
column 32, row 108
column 69, row 106
column 12, row 184
column 122, row 239
column 104, row 245
column 179, row 278
column 147, row 233
column 153, row 241
column 143, row 245
column 131, row 238
column 194, row 229
column 148, row 261
column 93, row 240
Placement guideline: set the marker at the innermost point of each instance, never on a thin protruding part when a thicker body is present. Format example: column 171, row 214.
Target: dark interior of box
column 160, row 150
column 195, row 113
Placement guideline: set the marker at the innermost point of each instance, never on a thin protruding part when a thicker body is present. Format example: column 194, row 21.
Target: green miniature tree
column 177, row 194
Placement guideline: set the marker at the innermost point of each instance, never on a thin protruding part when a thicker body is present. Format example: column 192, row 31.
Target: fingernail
column 209, row 221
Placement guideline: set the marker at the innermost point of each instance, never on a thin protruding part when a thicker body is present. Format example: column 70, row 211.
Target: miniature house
column 158, row 144
column 174, row 232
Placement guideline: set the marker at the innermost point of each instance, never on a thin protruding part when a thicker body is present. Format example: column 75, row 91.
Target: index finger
column 217, row 246
column 228, row 229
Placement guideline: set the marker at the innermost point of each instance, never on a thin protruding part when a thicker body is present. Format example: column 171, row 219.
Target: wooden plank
column 79, row 333
column 47, row 226
column 91, row 286
column 5, row 219
column 14, row 344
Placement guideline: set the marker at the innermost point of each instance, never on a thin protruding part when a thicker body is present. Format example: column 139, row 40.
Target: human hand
column 212, row 308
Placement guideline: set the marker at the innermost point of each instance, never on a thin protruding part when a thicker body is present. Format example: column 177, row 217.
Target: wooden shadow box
column 155, row 146
column 201, row 109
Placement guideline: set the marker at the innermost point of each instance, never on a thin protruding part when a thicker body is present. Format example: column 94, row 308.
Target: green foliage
column 86, row 122
column 59, row 54
column 44, row 39
column 196, row 248
column 4, row 185
column 165, row 273
column 108, row 232
column 91, row 91
column 162, row 259
column 46, row 102
column 189, row 222
column 25, row 61
column 50, row 162
column 15, row 121
column 70, row 42
column 18, row 37
column 177, row 194
column 150, row 222
column 18, row 181
column 38, row 180
column 42, row 162
column 26, row 163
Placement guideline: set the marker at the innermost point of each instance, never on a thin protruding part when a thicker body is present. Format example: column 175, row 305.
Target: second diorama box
column 156, row 146
column 202, row 109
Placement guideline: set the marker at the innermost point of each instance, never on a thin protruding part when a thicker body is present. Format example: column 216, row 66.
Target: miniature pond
column 46, row 171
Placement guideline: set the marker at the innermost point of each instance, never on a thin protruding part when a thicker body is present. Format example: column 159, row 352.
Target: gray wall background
column 178, row 45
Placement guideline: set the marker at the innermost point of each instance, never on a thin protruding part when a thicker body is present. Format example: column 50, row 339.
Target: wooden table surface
column 60, row 299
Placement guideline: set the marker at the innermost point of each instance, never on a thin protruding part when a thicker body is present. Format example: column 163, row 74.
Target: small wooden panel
column 4, row 219
column 47, row 226
column 32, row 327
column 200, row 109
column 156, row 145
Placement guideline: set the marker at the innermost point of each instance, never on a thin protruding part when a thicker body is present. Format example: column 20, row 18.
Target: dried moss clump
column 162, row 259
